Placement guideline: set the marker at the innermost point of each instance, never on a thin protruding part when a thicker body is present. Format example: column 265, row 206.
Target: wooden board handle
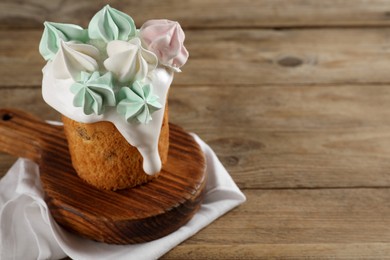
column 24, row 135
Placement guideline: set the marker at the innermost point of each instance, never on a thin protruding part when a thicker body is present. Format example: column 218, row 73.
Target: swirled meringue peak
column 165, row 38
column 110, row 24
column 73, row 58
column 129, row 61
column 54, row 32
column 137, row 103
column 93, row 92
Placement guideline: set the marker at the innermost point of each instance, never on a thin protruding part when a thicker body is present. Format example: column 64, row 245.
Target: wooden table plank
column 300, row 136
column 242, row 57
column 6, row 161
column 276, row 136
column 350, row 223
column 204, row 13
column 257, row 251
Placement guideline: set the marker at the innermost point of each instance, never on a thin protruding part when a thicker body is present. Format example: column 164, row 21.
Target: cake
column 110, row 82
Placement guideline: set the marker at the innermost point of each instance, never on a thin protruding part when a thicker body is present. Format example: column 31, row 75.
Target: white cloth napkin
column 27, row 230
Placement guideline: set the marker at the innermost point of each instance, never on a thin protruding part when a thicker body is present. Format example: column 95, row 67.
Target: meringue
column 93, row 92
column 72, row 58
column 54, row 32
column 129, row 61
column 111, row 24
column 137, row 103
column 165, row 38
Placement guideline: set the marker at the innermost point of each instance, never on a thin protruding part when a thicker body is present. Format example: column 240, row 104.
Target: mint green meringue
column 54, row 32
column 110, row 24
column 137, row 103
column 93, row 92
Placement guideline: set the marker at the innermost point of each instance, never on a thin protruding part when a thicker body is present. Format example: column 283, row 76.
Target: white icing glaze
column 144, row 137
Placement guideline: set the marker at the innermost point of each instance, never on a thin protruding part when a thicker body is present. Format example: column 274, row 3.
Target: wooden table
column 292, row 95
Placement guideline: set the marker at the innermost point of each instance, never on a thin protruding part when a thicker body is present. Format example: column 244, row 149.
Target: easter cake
column 110, row 82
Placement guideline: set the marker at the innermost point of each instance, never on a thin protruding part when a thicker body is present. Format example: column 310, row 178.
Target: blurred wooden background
column 292, row 95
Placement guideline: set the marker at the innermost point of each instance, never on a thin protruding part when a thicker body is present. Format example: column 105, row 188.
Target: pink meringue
column 165, row 38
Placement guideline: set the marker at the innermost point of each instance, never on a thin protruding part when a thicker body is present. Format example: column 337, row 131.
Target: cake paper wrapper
column 28, row 231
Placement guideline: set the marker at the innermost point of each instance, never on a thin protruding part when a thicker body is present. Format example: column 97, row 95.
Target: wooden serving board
column 135, row 215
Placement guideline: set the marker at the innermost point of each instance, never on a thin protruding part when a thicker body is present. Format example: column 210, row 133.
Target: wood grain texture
column 327, row 223
column 26, row 136
column 6, row 161
column 140, row 214
column 204, row 13
column 296, row 136
column 260, row 251
column 242, row 57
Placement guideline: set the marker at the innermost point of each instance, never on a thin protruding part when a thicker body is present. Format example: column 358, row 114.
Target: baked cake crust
column 103, row 158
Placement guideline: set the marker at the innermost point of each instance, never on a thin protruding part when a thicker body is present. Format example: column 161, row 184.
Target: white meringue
column 72, row 58
column 129, row 61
